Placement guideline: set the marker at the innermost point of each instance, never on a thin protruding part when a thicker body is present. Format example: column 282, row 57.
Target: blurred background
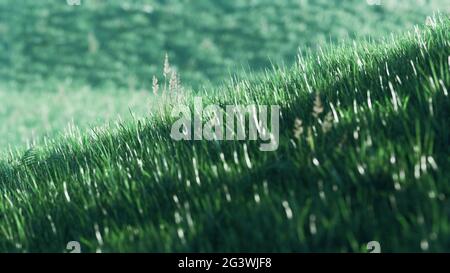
column 76, row 61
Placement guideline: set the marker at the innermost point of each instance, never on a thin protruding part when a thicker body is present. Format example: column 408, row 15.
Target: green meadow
column 85, row 120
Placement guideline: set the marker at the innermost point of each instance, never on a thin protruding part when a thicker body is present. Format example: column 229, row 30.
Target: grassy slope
column 381, row 173
column 49, row 46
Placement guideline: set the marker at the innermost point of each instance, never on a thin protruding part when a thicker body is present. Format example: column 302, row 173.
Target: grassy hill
column 122, row 43
column 372, row 165
column 76, row 65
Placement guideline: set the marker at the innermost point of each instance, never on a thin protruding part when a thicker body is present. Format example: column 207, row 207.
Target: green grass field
column 47, row 47
column 122, row 43
column 364, row 141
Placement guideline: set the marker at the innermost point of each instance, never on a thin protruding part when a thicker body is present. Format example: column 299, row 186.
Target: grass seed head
column 318, row 107
column 167, row 69
column 155, row 85
column 298, row 128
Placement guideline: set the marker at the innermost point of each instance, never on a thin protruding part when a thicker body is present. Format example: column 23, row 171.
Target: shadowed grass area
column 372, row 165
